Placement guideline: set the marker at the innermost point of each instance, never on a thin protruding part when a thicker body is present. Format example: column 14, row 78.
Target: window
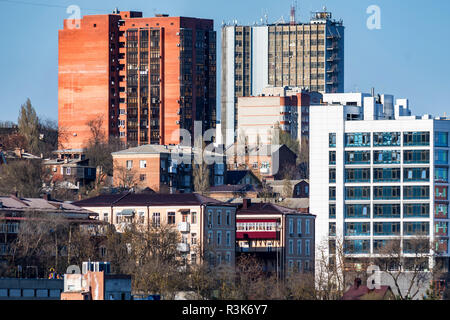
column 386, row 139
column 441, row 174
column 416, row 156
column 386, row 174
column 332, row 229
column 68, row 171
column 441, row 193
column 357, row 139
column 105, row 217
column 291, row 246
column 228, row 218
column 441, row 211
column 356, row 246
column 142, row 177
column 441, row 157
column 299, row 266
column 416, row 192
column 299, row 226
column 308, row 247
column 156, row 219
column 307, row 226
column 228, row 238
column 299, row 247
column 332, row 157
column 332, row 137
column 171, row 218
column 386, row 156
column 332, row 211
column 129, row 164
column 386, row 228
column 141, row 217
column 386, row 193
column 219, row 238
column 357, row 193
column 143, row 164
column 416, row 138
column 332, row 193
column 357, row 228
column 354, row 211
column 381, row 211
column 228, row 258
column 194, row 217
column 357, row 157
column 416, row 174
column 416, row 228
column 441, row 139
column 219, row 217
column 210, row 235
column 357, row 175
column 210, row 217
column 291, row 226
column 193, row 238
column 332, row 175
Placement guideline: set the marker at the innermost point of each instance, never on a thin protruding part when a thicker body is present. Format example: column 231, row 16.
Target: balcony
column 184, row 227
column 183, row 247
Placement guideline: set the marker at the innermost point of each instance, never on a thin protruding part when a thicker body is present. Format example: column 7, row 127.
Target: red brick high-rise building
column 145, row 77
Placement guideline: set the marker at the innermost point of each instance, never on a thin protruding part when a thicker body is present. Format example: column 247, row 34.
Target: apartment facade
column 308, row 55
column 206, row 226
column 145, row 78
column 282, row 238
column 284, row 109
column 165, row 169
column 374, row 181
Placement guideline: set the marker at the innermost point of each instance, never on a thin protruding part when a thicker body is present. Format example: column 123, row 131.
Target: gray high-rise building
column 308, row 55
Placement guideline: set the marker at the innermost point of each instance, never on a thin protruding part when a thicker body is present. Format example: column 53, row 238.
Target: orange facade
column 146, row 77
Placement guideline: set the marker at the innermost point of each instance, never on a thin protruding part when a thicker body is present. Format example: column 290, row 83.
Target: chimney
column 358, row 282
column 46, row 197
column 246, row 203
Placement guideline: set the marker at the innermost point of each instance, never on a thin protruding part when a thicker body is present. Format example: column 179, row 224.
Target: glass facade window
column 441, row 210
column 332, row 157
column 332, row 175
column 416, row 156
column 416, row 192
column 357, row 139
column 386, row 193
column 332, row 193
column 332, row 229
column 381, row 211
column 386, row 156
column 441, row 228
column 386, row 175
column 416, row 210
column 416, row 138
column 441, row 175
column 356, row 246
column 416, row 228
column 416, row 246
column 441, row 193
column 384, row 245
column 386, row 228
column 357, row 228
column 357, row 193
column 386, row 139
column 357, row 175
column 441, row 157
column 332, row 140
column 357, row 157
column 332, row 211
column 416, row 174
column 353, row 211
column 441, row 139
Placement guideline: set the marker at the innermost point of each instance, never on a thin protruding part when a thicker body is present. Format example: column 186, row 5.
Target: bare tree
column 201, row 171
column 125, row 178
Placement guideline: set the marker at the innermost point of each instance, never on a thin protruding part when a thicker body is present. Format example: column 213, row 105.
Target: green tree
column 29, row 126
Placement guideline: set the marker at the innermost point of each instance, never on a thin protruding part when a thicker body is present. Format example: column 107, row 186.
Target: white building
column 372, row 179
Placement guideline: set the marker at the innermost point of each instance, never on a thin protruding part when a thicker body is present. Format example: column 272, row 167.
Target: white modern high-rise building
column 378, row 174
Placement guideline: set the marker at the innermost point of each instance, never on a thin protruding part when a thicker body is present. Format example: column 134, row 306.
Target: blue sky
column 407, row 57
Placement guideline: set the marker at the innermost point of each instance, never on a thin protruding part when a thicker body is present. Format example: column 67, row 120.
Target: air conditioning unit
column 178, row 45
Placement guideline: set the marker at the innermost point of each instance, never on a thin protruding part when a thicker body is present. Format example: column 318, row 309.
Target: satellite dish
column 73, row 270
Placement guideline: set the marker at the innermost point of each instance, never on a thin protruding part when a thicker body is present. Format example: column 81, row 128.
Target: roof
column 233, row 177
column 144, row 149
column 42, row 206
column 266, row 208
column 362, row 292
column 234, row 188
column 146, row 199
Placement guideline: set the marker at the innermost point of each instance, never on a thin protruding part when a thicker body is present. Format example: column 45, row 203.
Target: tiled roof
column 234, row 188
column 145, row 199
column 362, row 292
column 266, row 208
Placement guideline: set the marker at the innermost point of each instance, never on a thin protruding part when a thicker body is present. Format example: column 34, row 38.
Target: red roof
column 360, row 292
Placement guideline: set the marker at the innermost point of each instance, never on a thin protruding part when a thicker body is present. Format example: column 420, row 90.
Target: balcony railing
column 183, row 247
column 184, row 227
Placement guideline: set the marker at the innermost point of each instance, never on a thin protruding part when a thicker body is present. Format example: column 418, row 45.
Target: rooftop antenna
column 292, row 21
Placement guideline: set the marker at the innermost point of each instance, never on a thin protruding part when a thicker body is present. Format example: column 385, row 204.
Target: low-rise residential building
column 282, row 238
column 294, row 188
column 205, row 225
column 76, row 172
column 165, row 169
column 31, row 289
column 268, row 162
